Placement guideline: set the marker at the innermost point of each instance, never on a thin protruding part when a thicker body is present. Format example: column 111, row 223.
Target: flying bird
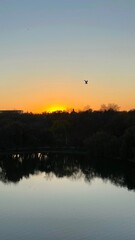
column 86, row 81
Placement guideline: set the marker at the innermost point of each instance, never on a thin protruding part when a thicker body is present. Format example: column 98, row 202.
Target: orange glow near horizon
column 59, row 107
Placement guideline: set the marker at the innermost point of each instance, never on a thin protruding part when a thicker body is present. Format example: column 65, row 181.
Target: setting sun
column 55, row 108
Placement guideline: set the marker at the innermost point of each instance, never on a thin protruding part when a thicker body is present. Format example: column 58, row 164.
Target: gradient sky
column 47, row 48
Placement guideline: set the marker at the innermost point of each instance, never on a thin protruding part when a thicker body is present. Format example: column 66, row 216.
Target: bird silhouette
column 86, row 81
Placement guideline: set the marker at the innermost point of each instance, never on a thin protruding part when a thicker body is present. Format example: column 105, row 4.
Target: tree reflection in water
column 16, row 166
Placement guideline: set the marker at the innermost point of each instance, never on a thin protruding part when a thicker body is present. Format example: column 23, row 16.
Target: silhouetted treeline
column 103, row 134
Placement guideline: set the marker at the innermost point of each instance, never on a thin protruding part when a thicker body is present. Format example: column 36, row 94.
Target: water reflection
column 16, row 166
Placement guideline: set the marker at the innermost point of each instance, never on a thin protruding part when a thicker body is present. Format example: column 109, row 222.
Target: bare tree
column 110, row 106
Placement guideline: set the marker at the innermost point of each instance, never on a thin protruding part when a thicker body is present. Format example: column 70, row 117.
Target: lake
column 65, row 197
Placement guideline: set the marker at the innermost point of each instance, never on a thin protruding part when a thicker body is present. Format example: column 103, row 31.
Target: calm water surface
column 65, row 200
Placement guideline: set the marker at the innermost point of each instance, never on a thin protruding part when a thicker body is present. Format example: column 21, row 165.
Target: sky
column 48, row 47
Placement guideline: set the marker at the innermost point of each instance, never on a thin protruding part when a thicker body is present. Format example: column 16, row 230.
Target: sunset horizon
column 59, row 107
